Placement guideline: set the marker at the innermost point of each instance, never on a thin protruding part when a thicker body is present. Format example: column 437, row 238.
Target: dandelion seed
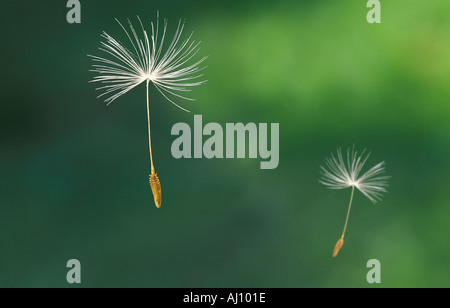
column 170, row 69
column 340, row 174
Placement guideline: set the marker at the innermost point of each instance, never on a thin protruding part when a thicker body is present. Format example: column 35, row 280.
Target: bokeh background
column 74, row 172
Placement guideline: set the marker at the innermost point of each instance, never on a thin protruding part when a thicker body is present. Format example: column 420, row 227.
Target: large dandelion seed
column 170, row 69
column 341, row 174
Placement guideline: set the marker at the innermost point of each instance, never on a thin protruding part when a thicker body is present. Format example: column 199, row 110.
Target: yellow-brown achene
column 156, row 188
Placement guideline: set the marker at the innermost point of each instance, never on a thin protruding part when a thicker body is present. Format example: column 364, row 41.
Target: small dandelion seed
column 170, row 69
column 340, row 174
column 338, row 247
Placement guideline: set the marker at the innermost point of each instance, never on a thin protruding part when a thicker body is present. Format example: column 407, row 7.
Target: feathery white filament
column 169, row 70
column 340, row 174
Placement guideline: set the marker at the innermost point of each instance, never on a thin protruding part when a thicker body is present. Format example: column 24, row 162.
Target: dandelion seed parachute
column 168, row 68
column 340, row 174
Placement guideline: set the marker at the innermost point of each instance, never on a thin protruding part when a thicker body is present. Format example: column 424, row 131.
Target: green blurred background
column 74, row 173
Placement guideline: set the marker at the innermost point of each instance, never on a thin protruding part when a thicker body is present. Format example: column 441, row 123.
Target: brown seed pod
column 156, row 189
column 338, row 247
